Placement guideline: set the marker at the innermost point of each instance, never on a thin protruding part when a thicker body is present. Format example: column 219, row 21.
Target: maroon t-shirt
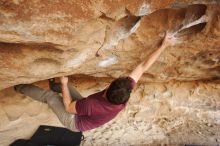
column 95, row 111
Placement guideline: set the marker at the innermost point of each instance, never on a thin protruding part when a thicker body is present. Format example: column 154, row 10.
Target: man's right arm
column 146, row 64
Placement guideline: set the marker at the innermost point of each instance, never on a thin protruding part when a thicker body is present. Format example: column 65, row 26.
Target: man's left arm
column 70, row 105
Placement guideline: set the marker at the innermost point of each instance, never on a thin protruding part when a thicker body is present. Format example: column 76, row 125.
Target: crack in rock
column 119, row 31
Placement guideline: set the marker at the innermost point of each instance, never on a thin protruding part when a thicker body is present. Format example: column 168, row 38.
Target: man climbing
column 81, row 114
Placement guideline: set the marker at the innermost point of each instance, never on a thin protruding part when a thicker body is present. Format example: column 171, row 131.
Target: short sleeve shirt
column 95, row 110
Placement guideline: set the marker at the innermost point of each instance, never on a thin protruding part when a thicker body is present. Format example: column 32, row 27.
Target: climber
column 82, row 114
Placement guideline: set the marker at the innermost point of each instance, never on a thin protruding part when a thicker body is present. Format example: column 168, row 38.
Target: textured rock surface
column 42, row 39
column 174, row 113
column 178, row 100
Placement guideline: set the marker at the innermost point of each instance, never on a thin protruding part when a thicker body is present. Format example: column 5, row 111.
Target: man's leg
column 32, row 91
column 56, row 104
column 56, row 87
column 54, row 101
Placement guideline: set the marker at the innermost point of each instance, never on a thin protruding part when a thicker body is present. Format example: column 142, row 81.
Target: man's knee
column 50, row 96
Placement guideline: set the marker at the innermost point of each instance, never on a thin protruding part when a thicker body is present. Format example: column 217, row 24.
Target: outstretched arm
column 146, row 64
column 70, row 105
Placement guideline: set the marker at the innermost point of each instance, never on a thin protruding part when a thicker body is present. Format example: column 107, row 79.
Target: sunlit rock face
column 177, row 100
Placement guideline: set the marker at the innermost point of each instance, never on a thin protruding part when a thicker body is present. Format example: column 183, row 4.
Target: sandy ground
column 157, row 114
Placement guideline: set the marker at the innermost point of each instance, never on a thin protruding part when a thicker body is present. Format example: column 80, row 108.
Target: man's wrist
column 163, row 47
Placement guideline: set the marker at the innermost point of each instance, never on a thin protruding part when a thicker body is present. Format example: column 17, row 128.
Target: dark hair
column 119, row 90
